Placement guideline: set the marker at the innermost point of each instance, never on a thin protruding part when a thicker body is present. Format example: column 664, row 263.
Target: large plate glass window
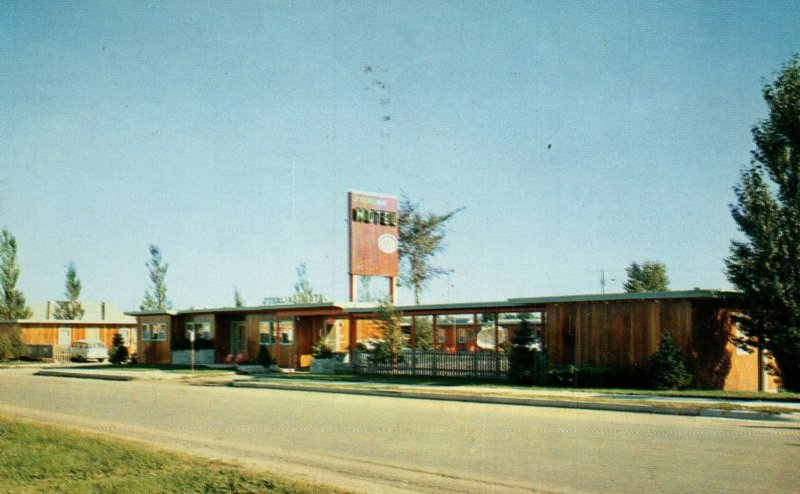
column 202, row 330
column 266, row 331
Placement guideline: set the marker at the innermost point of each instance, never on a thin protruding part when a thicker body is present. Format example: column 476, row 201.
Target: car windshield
column 96, row 345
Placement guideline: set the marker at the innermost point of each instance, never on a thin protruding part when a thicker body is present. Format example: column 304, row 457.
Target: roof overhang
column 608, row 297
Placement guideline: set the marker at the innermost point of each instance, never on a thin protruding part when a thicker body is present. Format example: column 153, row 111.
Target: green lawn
column 16, row 363
column 38, row 458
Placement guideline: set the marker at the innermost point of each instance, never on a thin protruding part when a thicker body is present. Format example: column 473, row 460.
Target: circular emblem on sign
column 387, row 243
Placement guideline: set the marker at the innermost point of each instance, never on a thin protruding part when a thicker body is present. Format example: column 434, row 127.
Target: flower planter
column 323, row 366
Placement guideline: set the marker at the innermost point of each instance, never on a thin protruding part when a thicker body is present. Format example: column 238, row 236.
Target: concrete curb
column 688, row 411
column 85, row 375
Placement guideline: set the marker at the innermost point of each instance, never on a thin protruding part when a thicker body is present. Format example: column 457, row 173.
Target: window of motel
column 202, row 330
column 266, row 331
column 154, row 332
column 511, row 321
column 286, row 328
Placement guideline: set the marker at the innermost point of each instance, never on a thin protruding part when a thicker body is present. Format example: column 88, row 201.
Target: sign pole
column 353, row 288
column 191, row 339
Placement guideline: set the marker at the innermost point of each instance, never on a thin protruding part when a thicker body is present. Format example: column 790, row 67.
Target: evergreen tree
column 321, row 349
column 71, row 309
column 665, row 368
column 264, row 358
column 118, row 353
column 522, row 357
column 155, row 297
column 12, row 302
column 390, row 347
column 766, row 266
column 238, row 301
column 650, row 276
column 424, row 331
column 421, row 238
column 303, row 291
column 365, row 293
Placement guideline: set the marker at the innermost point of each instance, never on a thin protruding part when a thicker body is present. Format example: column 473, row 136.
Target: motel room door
column 64, row 336
column 61, row 351
column 238, row 341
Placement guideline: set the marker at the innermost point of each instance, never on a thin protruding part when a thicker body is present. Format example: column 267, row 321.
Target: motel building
column 602, row 330
column 617, row 331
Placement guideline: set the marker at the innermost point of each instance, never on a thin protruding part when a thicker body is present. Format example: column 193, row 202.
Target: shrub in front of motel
column 522, row 356
column 665, row 368
column 594, row 376
column 118, row 353
column 264, row 358
column 322, row 350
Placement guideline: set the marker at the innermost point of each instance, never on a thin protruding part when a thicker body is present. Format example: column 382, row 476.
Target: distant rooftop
column 94, row 312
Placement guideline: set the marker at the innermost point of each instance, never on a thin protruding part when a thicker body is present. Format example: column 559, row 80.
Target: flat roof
column 509, row 304
column 501, row 304
column 526, row 302
column 607, row 297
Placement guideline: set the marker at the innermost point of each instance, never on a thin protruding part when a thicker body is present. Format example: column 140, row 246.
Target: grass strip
column 466, row 383
column 41, row 458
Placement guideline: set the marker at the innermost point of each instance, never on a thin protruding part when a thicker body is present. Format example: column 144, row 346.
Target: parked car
column 88, row 350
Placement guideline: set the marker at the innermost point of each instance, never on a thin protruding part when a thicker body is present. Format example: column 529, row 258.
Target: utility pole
column 603, row 281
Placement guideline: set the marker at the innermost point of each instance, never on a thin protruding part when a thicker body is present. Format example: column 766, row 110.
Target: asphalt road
column 377, row 444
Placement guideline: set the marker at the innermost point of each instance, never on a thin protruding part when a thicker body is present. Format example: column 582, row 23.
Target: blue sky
column 579, row 136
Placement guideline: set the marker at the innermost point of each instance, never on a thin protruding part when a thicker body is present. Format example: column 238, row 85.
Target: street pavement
column 379, row 444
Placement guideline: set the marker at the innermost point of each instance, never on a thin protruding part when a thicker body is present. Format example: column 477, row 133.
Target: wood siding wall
column 47, row 333
column 626, row 333
column 617, row 333
column 155, row 352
